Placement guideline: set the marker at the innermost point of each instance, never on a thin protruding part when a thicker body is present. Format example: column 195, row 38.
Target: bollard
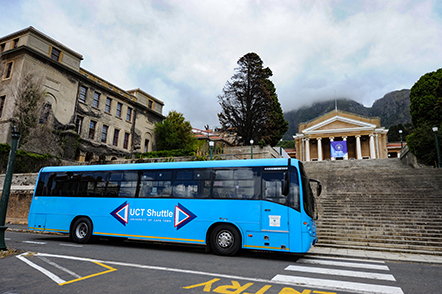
column 7, row 187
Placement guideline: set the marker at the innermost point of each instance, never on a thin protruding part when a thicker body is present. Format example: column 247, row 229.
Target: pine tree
column 250, row 105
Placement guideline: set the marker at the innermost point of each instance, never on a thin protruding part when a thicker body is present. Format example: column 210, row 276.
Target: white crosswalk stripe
column 346, row 282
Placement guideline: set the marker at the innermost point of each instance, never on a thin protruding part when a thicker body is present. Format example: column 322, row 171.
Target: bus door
column 274, row 215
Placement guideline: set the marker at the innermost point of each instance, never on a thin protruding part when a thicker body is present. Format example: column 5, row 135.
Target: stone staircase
column 379, row 204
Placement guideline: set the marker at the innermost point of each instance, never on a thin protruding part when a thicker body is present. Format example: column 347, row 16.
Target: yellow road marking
column 110, row 269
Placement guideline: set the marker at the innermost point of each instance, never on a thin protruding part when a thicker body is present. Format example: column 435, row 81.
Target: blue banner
column 338, row 149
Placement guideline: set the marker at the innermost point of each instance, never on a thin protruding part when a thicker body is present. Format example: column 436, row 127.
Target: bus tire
column 81, row 231
column 225, row 240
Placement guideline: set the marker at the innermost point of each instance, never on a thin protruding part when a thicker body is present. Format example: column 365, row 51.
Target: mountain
column 393, row 109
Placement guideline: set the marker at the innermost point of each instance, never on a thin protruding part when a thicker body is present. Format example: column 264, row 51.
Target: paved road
column 52, row 264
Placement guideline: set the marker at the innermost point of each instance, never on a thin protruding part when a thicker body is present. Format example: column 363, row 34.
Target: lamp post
column 211, row 144
column 402, row 145
column 251, row 149
column 439, row 164
column 7, row 187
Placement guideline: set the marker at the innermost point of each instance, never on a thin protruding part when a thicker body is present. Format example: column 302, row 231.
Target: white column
column 319, row 149
column 358, row 147
column 331, row 140
column 346, row 155
column 372, row 149
column 307, row 149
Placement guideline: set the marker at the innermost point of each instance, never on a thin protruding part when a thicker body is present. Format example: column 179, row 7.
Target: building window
column 108, row 105
column 104, row 134
column 2, row 47
column 92, row 126
column 150, row 104
column 119, row 107
column 116, row 133
column 2, row 104
column 96, row 102
column 129, row 114
column 146, row 145
column 82, row 95
column 8, row 70
column 55, row 54
column 46, row 109
column 126, row 140
column 78, row 124
column 15, row 45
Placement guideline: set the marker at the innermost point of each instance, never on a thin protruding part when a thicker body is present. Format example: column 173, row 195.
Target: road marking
column 343, row 264
column 7, row 239
column 44, row 271
column 71, row 245
column 35, row 242
column 59, row 267
column 56, row 278
column 347, row 259
column 338, row 285
column 335, row 272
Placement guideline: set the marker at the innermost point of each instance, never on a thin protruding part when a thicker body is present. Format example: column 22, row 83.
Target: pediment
column 338, row 124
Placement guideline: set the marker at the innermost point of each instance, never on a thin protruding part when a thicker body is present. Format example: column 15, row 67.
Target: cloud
column 183, row 52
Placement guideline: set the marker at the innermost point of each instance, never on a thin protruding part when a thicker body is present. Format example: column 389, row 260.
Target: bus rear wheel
column 225, row 240
column 81, row 231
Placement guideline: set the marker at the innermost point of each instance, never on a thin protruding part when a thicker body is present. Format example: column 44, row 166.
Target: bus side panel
column 52, row 213
column 176, row 220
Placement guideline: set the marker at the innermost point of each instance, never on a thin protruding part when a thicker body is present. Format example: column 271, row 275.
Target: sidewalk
column 330, row 252
column 369, row 254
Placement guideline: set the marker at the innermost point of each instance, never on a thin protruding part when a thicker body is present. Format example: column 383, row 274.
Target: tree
column 174, row 132
column 250, row 105
column 426, row 100
column 426, row 113
column 29, row 95
column 277, row 126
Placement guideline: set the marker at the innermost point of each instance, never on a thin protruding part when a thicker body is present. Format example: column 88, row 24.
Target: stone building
column 105, row 121
column 341, row 135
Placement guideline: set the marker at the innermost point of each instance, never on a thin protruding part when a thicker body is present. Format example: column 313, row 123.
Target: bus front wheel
column 81, row 231
column 225, row 240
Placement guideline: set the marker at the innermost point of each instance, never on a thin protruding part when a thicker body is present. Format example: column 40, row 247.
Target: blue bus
column 263, row 204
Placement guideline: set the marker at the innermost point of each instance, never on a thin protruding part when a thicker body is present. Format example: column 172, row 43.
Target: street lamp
column 211, row 144
column 7, row 187
column 251, row 149
column 439, row 164
column 400, row 133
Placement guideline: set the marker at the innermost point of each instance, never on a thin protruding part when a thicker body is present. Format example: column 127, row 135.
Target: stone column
column 331, row 140
column 372, row 149
column 358, row 147
column 307, row 149
column 319, row 149
column 346, row 155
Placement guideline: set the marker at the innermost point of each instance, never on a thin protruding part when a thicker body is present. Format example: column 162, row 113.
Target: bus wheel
column 81, row 231
column 225, row 240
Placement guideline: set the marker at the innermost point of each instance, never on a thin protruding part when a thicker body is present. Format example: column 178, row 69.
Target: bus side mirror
column 285, row 184
column 319, row 186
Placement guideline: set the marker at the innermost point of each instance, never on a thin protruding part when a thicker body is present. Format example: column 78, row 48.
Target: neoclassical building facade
column 108, row 122
column 340, row 135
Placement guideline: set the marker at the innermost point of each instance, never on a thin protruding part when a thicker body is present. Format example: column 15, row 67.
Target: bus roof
column 174, row 165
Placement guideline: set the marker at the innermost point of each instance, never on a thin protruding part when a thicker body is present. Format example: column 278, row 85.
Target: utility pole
column 7, row 187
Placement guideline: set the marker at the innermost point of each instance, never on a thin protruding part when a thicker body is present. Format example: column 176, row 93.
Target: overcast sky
column 183, row 52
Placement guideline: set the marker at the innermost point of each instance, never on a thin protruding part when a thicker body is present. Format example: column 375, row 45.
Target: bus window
column 238, row 183
column 92, row 184
column 42, row 185
column 156, row 184
column 308, row 198
column 272, row 187
column 293, row 198
column 122, row 184
column 63, row 184
column 185, row 185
